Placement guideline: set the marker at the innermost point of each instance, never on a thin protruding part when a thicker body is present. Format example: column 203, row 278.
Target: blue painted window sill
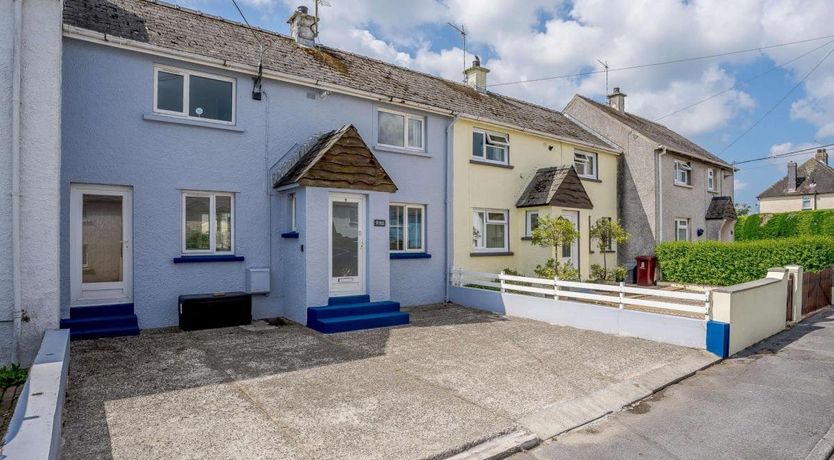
column 289, row 235
column 410, row 255
column 198, row 259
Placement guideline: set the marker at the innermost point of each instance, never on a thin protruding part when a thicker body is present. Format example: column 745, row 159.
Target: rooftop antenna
column 257, row 87
column 316, row 25
column 605, row 66
column 462, row 31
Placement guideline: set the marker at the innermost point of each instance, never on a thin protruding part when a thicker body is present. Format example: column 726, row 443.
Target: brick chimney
column 302, row 27
column 822, row 156
column 791, row 176
column 476, row 76
column 617, row 100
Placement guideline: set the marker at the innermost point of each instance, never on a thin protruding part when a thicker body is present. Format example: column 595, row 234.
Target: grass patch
column 12, row 375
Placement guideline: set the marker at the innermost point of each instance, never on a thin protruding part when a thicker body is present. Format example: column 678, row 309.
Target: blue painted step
column 365, row 308
column 101, row 321
column 357, row 322
column 350, row 299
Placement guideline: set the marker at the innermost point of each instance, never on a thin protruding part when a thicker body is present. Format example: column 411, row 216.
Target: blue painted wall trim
column 198, row 259
column 289, row 235
column 718, row 338
column 410, row 255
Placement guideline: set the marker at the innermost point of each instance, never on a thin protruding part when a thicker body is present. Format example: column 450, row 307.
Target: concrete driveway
column 453, row 378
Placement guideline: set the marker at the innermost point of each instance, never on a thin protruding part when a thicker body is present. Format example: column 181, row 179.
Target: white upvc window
column 807, row 202
column 489, row 230
column 585, row 164
column 683, row 173
column 208, row 222
column 681, row 229
column 531, row 222
column 407, row 227
column 194, row 95
column 291, row 204
column 490, row 147
column 711, row 180
column 400, row 130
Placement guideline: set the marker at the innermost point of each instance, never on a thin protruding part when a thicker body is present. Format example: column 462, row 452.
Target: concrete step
column 365, row 308
column 349, row 299
column 103, row 332
column 358, row 322
column 101, row 310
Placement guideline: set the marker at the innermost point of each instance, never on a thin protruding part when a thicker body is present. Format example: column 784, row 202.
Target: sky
column 772, row 100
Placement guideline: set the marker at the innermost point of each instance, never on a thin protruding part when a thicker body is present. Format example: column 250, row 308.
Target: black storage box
column 206, row 311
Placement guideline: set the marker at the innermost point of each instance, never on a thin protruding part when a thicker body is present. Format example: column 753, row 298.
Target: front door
column 347, row 244
column 570, row 253
column 101, row 229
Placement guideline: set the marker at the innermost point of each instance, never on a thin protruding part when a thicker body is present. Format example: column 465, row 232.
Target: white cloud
column 739, row 185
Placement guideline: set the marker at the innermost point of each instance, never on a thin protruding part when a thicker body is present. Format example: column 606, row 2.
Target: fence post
column 622, row 293
column 501, row 281
column 555, row 288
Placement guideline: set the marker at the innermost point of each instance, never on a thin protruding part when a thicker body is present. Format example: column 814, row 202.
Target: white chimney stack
column 302, row 27
column 476, row 76
column 822, row 156
column 617, row 100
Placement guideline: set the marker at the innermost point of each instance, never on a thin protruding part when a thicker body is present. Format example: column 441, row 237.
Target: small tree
column 742, row 209
column 607, row 231
column 553, row 232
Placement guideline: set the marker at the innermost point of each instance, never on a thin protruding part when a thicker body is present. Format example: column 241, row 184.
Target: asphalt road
column 775, row 400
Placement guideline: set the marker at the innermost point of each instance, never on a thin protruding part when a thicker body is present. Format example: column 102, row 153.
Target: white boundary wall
column 676, row 330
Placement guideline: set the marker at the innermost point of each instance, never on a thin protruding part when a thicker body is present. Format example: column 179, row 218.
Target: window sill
column 190, row 122
column 290, row 235
column 526, row 238
column 490, row 254
column 590, row 179
column 487, row 163
column 681, row 184
column 207, row 258
column 392, row 149
column 714, row 192
column 409, row 255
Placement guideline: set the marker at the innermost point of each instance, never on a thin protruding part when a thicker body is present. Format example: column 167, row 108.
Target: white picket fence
column 618, row 294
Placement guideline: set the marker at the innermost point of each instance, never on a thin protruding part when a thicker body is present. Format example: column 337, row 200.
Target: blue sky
column 529, row 39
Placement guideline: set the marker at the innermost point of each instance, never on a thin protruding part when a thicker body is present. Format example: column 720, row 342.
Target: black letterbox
column 206, row 311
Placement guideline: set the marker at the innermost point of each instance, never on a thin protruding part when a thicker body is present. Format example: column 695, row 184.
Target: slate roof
column 660, row 134
column 557, row 186
column 339, row 159
column 171, row 27
column 813, row 176
column 721, row 207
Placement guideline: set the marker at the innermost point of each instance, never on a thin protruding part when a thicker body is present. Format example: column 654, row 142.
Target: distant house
column 669, row 187
column 805, row 187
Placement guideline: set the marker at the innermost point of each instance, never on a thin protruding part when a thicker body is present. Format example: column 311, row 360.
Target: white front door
column 101, row 254
column 347, row 244
column 570, row 253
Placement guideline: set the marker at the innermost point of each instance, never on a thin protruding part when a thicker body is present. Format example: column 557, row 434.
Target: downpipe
column 17, row 309
column 448, row 205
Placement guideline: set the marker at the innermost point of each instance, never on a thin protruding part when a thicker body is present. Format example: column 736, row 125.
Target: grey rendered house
column 809, row 186
column 669, row 188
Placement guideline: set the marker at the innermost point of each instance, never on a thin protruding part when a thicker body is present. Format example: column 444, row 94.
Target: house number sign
column 379, row 222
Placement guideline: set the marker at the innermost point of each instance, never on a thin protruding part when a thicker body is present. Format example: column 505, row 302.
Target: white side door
column 101, row 250
column 347, row 244
column 570, row 253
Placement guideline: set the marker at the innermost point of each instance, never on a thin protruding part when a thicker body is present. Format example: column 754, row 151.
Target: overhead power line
column 786, row 154
column 653, row 64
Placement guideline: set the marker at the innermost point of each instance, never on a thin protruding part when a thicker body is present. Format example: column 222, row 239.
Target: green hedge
column 784, row 225
column 722, row 264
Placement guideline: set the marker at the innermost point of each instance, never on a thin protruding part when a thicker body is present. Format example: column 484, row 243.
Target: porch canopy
column 557, row 186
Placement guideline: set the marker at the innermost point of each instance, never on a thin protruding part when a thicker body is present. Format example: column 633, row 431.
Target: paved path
column 774, row 401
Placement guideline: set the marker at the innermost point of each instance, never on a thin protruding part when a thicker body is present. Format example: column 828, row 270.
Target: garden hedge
column 722, row 263
column 785, row 225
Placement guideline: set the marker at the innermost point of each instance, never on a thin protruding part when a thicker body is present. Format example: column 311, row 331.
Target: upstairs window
column 711, row 180
column 683, row 173
column 491, row 147
column 585, row 164
column 402, row 130
column 194, row 95
column 406, row 228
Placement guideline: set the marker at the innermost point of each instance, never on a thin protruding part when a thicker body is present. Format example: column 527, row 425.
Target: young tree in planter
column 553, row 232
column 607, row 231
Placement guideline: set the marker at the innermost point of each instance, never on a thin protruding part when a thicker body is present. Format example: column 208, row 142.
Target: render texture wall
column 492, row 187
column 6, row 268
column 109, row 142
column 794, row 203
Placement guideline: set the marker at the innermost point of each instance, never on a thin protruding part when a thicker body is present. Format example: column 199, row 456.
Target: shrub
column 599, row 273
column 12, row 376
column 785, row 225
column 723, row 264
column 553, row 269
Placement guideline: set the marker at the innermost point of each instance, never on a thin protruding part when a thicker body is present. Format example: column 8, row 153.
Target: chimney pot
column 822, row 156
column 476, row 76
column 302, row 27
column 617, row 100
column 791, row 176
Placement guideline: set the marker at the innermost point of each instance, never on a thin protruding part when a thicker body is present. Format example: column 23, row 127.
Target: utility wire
column 785, row 154
column 682, row 109
column 674, row 61
column 778, row 103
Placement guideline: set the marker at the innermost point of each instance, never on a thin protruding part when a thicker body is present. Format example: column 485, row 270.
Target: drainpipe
column 16, row 82
column 447, row 205
column 659, row 196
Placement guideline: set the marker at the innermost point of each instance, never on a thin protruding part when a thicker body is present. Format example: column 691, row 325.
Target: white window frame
column 480, row 244
column 186, row 81
column 489, row 141
column 591, row 159
column 528, row 219
column 711, row 180
column 212, row 222
column 682, row 224
column 686, row 168
column 405, row 207
column 406, row 116
column 810, row 201
column 292, row 205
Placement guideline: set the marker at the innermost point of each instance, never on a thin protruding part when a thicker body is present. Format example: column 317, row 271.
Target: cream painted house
column 569, row 171
column 809, row 186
